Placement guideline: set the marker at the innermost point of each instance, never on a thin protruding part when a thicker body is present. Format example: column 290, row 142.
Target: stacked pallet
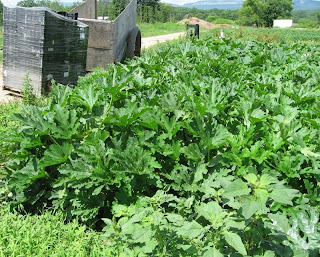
column 42, row 45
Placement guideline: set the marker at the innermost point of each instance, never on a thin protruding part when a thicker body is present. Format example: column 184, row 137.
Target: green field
column 269, row 35
column 244, row 33
column 203, row 147
column 157, row 29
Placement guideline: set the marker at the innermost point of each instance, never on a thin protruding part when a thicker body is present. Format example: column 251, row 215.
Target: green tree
column 147, row 10
column 1, row 13
column 52, row 4
column 263, row 12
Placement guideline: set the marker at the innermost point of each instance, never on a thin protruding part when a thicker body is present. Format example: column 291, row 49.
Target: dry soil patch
column 203, row 23
column 150, row 41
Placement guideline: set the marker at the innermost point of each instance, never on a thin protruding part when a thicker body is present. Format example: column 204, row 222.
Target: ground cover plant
column 6, row 125
column 46, row 235
column 206, row 148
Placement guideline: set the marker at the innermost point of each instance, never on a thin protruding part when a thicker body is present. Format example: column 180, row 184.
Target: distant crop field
column 269, row 35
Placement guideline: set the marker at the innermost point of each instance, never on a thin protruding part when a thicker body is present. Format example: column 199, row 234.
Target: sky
column 180, row 2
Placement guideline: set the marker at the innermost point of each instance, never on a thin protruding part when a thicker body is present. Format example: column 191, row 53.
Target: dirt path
column 150, row 41
column 4, row 95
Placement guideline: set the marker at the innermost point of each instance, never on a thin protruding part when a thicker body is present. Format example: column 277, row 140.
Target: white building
column 282, row 23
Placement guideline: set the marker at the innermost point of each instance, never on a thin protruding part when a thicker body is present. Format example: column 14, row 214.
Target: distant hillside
column 220, row 4
column 235, row 4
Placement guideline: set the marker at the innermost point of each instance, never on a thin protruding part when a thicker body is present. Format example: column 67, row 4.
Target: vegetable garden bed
column 206, row 148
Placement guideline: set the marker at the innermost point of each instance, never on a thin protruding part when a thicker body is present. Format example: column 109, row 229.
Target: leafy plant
column 193, row 151
column 29, row 97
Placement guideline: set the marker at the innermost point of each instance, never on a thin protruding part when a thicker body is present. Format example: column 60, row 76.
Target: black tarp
column 44, row 45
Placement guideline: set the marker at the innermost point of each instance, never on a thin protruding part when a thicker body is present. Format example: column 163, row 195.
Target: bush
column 211, row 18
column 223, row 21
column 306, row 23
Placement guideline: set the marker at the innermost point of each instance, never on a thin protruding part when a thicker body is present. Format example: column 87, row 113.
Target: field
column 157, row 29
column 310, row 36
column 200, row 148
column 244, row 33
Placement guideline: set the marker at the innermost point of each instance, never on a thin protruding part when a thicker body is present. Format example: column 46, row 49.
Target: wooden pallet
column 12, row 92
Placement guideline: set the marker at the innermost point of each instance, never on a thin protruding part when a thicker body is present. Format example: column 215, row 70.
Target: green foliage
column 29, row 97
column 52, row 4
column 211, row 18
column 180, row 13
column 6, row 125
column 202, row 149
column 307, row 23
column 148, row 11
column 262, row 13
column 157, row 28
column 223, row 21
column 1, row 15
column 111, row 8
column 47, row 235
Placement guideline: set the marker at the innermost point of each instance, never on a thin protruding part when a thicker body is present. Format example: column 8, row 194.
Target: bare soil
column 5, row 95
column 203, row 23
column 150, row 41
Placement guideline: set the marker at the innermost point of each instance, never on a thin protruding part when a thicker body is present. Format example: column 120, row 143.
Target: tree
column 263, row 12
column 52, row 4
column 147, row 10
column 1, row 13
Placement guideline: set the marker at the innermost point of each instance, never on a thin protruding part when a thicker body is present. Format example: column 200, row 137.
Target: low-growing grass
column 157, row 29
column 6, row 124
column 46, row 235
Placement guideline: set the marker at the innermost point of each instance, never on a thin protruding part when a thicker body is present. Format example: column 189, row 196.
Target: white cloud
column 10, row 3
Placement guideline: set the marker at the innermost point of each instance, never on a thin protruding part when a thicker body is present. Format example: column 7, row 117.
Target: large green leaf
column 237, row 188
column 190, row 229
column 56, row 154
column 235, row 241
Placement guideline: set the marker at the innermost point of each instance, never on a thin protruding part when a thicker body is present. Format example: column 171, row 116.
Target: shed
column 282, row 23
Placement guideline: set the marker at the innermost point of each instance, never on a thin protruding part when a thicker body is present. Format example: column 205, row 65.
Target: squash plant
column 207, row 148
